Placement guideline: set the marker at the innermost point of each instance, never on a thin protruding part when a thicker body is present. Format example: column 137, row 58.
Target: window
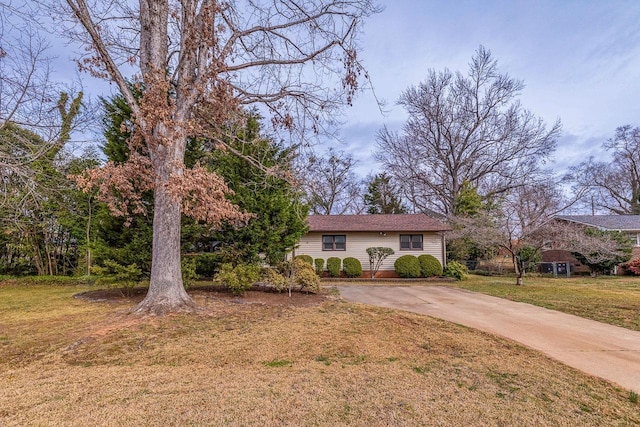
column 411, row 242
column 334, row 243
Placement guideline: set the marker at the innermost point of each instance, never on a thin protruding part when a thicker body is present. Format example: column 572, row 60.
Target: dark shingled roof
column 401, row 222
column 607, row 222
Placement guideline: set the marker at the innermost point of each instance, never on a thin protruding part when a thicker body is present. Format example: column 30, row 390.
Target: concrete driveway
column 606, row 351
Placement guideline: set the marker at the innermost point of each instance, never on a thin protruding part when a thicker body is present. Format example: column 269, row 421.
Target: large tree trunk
column 166, row 290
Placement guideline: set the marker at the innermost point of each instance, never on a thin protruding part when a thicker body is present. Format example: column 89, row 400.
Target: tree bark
column 166, row 290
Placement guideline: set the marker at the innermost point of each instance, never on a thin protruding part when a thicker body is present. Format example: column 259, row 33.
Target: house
column 350, row 235
column 628, row 224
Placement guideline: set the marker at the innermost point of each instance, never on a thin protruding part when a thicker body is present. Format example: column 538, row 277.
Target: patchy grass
column 609, row 299
column 65, row 361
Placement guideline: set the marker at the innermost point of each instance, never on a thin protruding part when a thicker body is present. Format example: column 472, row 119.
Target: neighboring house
column 350, row 235
column 628, row 224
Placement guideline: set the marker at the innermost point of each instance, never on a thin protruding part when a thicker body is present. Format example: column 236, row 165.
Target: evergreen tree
column 382, row 196
column 253, row 167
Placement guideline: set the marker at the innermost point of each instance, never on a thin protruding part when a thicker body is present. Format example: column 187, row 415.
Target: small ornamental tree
column 377, row 255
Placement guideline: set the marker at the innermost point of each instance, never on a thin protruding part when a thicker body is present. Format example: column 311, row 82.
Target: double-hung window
column 335, row 242
column 411, row 242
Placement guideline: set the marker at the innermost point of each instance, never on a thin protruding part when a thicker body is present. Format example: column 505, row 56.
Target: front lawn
column 256, row 361
column 608, row 299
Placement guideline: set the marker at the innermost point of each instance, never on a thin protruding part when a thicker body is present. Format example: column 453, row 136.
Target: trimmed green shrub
column 352, row 267
column 306, row 258
column 429, row 266
column 333, row 266
column 319, row 263
column 239, row 278
column 456, row 270
column 407, row 266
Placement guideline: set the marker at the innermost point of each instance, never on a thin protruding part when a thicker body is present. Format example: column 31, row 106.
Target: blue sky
column 579, row 60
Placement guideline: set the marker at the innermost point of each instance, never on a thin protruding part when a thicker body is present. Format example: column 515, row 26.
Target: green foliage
column 382, row 196
column 333, row 266
column 456, row 270
column 42, row 215
column 377, row 255
column 207, row 264
column 468, row 202
column 407, row 266
column 429, row 266
column 319, row 263
column 352, row 267
column 117, row 275
column 274, row 279
column 529, row 257
column 279, row 215
column 238, row 279
column 304, row 275
column 306, row 258
column 189, row 271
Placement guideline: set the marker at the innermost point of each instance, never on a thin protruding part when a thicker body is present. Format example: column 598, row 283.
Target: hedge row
column 410, row 266
column 350, row 266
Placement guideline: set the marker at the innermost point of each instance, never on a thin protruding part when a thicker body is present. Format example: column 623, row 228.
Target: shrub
column 207, row 264
column 319, row 263
column 304, row 275
column 114, row 274
column 430, row 266
column 239, row 278
column 189, row 274
column 352, row 267
column 456, row 270
column 632, row 267
column 333, row 266
column 407, row 266
column 272, row 278
column 305, row 258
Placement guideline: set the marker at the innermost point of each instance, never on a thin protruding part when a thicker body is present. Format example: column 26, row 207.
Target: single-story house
column 350, row 235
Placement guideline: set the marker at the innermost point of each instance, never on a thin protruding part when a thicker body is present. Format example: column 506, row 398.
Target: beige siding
column 358, row 242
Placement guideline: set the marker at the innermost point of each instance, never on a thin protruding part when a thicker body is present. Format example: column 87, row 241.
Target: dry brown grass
column 247, row 363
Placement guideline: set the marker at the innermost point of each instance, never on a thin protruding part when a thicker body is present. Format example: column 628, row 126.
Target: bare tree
column 523, row 218
column 209, row 58
column 331, row 185
column 36, row 117
column 465, row 129
column 613, row 186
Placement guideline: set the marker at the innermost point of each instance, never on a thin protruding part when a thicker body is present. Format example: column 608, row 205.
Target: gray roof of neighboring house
column 606, row 222
column 399, row 222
